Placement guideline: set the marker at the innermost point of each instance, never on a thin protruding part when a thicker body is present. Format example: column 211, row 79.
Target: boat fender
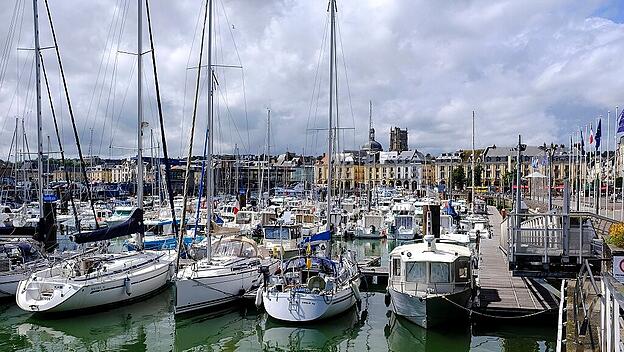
column 387, row 299
column 258, row 301
column 356, row 291
column 171, row 271
column 128, row 286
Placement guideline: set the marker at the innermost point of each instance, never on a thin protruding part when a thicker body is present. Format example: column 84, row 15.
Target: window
column 439, row 273
column 415, row 272
column 461, row 271
column 396, row 267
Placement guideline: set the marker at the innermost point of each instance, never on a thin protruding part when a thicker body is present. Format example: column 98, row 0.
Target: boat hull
column 204, row 291
column 40, row 294
column 430, row 311
column 306, row 307
column 9, row 281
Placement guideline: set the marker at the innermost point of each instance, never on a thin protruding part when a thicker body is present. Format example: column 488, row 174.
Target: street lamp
column 549, row 150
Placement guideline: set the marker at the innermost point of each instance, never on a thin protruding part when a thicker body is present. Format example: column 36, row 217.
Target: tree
column 459, row 178
column 477, row 179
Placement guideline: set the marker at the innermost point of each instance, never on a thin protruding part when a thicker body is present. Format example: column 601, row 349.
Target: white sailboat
column 311, row 288
column 102, row 279
column 232, row 271
column 237, row 264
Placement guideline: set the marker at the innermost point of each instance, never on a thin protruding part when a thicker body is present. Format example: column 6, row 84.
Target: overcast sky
column 536, row 68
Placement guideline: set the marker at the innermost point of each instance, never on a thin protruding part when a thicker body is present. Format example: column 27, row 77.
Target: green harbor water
column 150, row 325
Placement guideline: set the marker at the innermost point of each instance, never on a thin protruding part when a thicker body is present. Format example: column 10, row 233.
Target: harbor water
column 150, row 325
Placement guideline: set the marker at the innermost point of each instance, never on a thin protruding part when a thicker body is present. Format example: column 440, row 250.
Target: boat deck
column 500, row 292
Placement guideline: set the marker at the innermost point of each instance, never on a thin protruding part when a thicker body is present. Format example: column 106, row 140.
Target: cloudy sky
column 536, row 68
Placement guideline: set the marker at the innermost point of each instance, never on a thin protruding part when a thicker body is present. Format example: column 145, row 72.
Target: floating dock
column 500, row 293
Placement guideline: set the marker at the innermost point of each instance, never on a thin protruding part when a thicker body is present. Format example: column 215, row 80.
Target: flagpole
column 570, row 173
column 622, row 167
column 594, row 197
column 586, row 169
column 599, row 150
column 608, row 169
column 577, row 166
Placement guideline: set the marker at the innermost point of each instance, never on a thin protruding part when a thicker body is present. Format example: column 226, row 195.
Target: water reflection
column 142, row 326
column 402, row 335
column 150, row 326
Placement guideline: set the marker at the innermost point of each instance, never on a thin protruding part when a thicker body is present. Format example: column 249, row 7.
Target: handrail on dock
column 545, row 241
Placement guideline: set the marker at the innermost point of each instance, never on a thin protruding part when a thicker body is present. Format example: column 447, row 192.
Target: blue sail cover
column 299, row 263
column 134, row 224
column 314, row 240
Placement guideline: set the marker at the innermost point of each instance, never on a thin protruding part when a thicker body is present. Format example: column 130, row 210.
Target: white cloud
column 533, row 67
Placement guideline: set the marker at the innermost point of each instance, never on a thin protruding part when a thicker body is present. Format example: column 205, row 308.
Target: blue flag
column 621, row 122
column 598, row 134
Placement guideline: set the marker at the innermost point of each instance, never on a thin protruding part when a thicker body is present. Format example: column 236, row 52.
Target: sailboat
column 311, row 288
column 102, row 278
column 236, row 265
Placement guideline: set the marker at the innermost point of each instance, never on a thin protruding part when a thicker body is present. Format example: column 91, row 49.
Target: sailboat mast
column 139, row 106
column 268, row 154
column 210, row 183
column 330, row 130
column 473, row 160
column 39, row 122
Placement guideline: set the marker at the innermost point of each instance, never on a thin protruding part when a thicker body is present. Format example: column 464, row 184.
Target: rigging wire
column 240, row 62
column 186, row 79
column 60, row 144
column 161, row 124
column 71, row 115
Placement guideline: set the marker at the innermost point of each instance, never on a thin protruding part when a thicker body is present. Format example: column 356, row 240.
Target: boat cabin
column 430, row 268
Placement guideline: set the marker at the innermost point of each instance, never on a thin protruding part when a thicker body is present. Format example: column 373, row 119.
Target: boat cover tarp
column 316, row 239
column 299, row 262
column 134, row 224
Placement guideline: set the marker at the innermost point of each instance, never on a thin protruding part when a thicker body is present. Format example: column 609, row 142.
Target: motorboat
column 430, row 283
column 371, row 226
column 404, row 226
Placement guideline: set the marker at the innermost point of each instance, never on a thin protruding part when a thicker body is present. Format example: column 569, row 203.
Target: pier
column 500, row 292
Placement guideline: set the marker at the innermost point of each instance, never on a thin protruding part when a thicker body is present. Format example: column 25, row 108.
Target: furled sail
column 134, row 224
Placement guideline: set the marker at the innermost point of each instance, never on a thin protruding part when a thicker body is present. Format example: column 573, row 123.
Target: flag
column 582, row 143
column 591, row 135
column 598, row 134
column 621, row 122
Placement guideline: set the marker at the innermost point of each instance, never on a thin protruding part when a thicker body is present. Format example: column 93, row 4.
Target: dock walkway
column 500, row 292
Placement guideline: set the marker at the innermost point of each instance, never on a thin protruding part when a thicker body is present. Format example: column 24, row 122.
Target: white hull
column 148, row 272
column 305, row 307
column 210, row 288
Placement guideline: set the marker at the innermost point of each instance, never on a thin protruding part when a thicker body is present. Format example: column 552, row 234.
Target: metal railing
column 573, row 236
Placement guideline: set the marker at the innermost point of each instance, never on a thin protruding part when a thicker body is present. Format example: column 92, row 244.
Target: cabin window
column 396, row 267
column 461, row 271
column 415, row 272
column 439, row 273
column 274, row 233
